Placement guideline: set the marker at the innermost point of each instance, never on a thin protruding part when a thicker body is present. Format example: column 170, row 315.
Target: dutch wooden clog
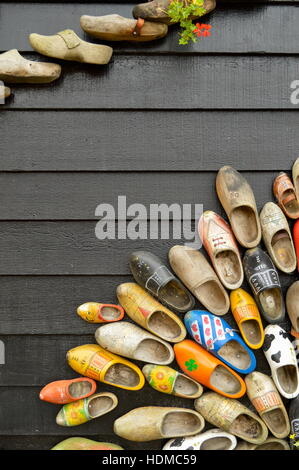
column 149, row 313
column 197, row 274
column 94, row 312
column 285, row 194
column 277, row 237
column 270, row 444
column 281, row 357
column 232, row 416
column 67, row 45
column 219, row 242
column 247, row 316
column 129, row 340
column 237, row 199
column 266, row 400
column 296, row 240
column 81, row 443
column 16, row 69
column 81, row 411
column 292, row 302
column 67, row 391
column 170, row 381
column 5, row 92
column 265, row 284
column 294, row 419
column 215, row 335
column 93, row 361
column 295, row 175
column 157, row 422
column 214, row 439
column 152, row 274
column 117, row 28
column 206, row 369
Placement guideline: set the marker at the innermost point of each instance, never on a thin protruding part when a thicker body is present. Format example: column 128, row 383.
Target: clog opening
column 222, row 379
column 185, row 386
column 291, row 207
column 211, row 295
column 180, row 423
column 243, row 220
column 174, row 295
column 287, row 377
column 272, row 303
column 246, row 426
column 120, row 374
column 151, row 350
column 271, row 446
column 235, row 354
column 216, row 443
column 228, row 267
column 275, row 420
column 110, row 313
column 163, row 325
column 80, row 389
column 99, row 405
column 283, row 250
column 252, row 331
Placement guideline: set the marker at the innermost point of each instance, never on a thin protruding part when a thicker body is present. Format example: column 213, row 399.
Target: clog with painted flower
column 67, row 391
column 94, row 312
column 81, row 443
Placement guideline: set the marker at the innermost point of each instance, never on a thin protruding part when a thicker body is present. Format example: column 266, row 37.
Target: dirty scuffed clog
column 216, row 335
column 152, row 274
column 142, row 308
column 247, row 316
column 67, row 391
column 96, row 363
column 198, row 275
column 214, row 439
column 285, row 194
column 206, row 369
column 292, row 302
column 94, row 312
column 219, row 242
column 170, row 381
column 157, row 422
column 266, row 400
column 81, row 443
column 270, row 444
column 232, row 416
column 129, row 340
column 281, row 357
column 81, row 411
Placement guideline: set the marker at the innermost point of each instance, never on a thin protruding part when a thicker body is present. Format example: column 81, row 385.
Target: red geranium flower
column 202, row 29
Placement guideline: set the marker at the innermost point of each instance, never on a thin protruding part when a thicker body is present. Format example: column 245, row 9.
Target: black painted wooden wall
column 154, row 125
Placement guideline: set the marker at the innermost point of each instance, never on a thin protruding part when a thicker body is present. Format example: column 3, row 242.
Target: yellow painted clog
column 95, row 312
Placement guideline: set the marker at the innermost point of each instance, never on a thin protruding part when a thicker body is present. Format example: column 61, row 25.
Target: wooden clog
column 206, row 369
column 94, row 312
column 237, row 199
column 130, row 341
column 292, row 303
column 149, row 313
column 285, row 194
column 277, row 237
column 247, row 316
column 213, row 439
column 157, row 422
column 219, row 242
column 67, row 391
column 197, row 274
column 81, row 411
column 5, row 92
column 270, row 444
column 117, row 28
column 266, row 400
column 152, row 274
column 296, row 240
column 170, row 381
column 232, row 416
column 264, row 281
column 294, row 419
column 94, row 362
column 295, row 176
column 81, row 443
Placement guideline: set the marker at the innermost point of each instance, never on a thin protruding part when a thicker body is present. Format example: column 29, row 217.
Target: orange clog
column 94, row 312
column 285, row 194
column 62, row 392
column 296, row 240
column 206, row 369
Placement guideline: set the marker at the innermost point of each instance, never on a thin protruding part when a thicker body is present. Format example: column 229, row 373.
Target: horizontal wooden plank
column 122, row 141
column 135, row 82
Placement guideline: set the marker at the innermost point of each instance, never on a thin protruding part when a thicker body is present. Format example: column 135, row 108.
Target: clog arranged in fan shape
column 215, row 335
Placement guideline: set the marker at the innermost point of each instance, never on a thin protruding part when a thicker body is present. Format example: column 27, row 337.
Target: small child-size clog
column 94, row 312
column 270, row 444
column 81, row 443
column 81, row 411
column 157, row 422
column 216, row 335
column 292, row 303
column 206, row 369
column 67, row 391
column 281, row 357
column 95, row 362
column 285, row 194
column 247, row 316
column 214, row 439
column 170, row 381
column 128, row 340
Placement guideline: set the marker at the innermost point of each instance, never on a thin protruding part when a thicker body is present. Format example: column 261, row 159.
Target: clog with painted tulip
column 94, row 312
column 206, row 369
column 96, row 363
column 81, row 443
column 67, row 391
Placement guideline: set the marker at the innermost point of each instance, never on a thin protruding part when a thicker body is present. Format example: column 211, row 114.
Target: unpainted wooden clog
column 219, row 242
column 16, row 69
column 238, row 201
column 5, row 92
column 231, row 416
column 277, row 237
column 170, row 381
column 157, row 422
column 295, row 176
column 285, row 194
column 213, row 439
column 95, row 362
column 81, row 443
column 67, row 391
column 67, row 45
column 266, row 400
column 81, row 411
column 292, row 303
column 198, row 275
column 270, row 444
column 281, row 357
column 247, row 316
column 208, row 370
column 149, row 313
column 94, row 312
column 129, row 340
column 117, row 28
